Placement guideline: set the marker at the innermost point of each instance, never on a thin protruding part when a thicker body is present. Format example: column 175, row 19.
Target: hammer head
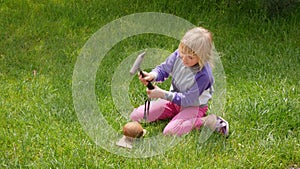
column 136, row 66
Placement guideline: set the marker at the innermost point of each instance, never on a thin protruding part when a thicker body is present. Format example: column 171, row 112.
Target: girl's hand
column 156, row 93
column 148, row 77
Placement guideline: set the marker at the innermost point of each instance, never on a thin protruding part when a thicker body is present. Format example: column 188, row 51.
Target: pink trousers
column 183, row 119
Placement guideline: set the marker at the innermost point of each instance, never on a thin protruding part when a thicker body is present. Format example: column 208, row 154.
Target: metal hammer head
column 136, row 66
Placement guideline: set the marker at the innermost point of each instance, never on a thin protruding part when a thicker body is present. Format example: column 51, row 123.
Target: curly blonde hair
column 198, row 42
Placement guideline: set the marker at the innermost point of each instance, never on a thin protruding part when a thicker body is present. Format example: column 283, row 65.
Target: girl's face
column 189, row 60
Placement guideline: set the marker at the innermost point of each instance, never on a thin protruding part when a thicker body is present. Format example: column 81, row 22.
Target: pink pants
column 183, row 119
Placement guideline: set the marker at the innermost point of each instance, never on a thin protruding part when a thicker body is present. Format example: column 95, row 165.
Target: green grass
column 39, row 126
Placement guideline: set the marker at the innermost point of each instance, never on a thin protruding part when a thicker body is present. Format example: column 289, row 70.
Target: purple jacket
column 190, row 86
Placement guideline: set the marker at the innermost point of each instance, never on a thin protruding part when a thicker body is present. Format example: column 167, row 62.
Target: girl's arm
column 184, row 99
column 162, row 71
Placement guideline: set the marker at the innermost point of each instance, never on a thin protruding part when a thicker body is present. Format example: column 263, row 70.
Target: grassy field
column 40, row 43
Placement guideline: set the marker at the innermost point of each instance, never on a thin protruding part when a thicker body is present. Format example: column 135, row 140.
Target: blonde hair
column 198, row 42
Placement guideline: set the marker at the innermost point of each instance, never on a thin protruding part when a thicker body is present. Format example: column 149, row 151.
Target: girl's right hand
column 148, row 77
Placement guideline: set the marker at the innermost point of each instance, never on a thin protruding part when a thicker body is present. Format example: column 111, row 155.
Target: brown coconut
column 133, row 129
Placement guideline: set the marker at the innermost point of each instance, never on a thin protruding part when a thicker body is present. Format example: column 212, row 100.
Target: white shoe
column 216, row 123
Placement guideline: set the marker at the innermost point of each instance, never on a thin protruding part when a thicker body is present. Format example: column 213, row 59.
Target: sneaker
column 222, row 126
column 216, row 123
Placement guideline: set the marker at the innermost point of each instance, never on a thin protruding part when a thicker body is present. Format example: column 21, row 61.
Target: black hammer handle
column 149, row 85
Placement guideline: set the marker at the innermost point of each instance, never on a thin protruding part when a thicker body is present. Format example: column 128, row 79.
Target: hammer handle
column 149, row 85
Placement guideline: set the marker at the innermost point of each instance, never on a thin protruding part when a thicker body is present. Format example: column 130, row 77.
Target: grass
column 39, row 126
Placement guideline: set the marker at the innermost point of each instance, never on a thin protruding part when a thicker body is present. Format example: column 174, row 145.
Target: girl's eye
column 190, row 57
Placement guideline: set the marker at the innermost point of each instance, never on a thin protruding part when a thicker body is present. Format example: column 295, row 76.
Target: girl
column 192, row 80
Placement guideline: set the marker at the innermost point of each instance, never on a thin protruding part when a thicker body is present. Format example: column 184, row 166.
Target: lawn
column 41, row 41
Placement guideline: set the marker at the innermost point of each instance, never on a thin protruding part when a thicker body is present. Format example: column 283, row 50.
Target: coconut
column 133, row 130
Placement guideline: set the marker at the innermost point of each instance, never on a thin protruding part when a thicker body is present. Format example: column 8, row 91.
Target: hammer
column 136, row 67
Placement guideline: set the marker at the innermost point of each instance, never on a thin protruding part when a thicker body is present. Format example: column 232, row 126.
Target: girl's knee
column 135, row 115
column 172, row 129
column 173, row 132
column 169, row 132
column 178, row 127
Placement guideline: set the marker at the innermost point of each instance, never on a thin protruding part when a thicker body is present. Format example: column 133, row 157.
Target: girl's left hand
column 156, row 92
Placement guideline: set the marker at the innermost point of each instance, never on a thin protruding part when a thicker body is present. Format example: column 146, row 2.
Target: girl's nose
column 184, row 58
